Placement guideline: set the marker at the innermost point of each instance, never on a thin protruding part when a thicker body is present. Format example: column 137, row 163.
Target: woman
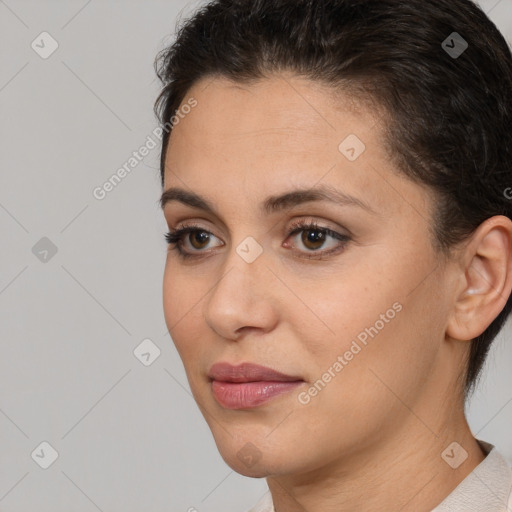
column 335, row 177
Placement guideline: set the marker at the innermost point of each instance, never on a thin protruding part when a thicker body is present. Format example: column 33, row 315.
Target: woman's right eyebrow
column 272, row 204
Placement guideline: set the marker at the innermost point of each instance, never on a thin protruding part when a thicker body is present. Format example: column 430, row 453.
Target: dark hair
column 448, row 108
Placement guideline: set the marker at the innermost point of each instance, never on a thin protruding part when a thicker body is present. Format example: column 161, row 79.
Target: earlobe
column 486, row 278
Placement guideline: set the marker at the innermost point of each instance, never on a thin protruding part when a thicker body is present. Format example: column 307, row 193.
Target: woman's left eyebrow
column 287, row 200
column 322, row 192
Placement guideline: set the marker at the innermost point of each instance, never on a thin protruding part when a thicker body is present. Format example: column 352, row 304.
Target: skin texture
column 372, row 438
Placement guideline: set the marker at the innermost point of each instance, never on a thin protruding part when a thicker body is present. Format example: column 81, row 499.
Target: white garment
column 488, row 488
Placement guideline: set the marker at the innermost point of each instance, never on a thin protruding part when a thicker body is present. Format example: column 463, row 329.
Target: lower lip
column 244, row 395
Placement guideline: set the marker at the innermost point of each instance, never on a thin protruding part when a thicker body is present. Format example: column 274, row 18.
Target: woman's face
column 354, row 316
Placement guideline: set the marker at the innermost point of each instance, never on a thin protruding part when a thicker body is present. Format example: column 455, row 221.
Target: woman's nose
column 244, row 297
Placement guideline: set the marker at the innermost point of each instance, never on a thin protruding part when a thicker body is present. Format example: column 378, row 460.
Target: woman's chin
column 252, row 456
column 248, row 463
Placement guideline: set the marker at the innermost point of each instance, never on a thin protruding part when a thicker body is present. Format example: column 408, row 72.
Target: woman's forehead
column 278, row 134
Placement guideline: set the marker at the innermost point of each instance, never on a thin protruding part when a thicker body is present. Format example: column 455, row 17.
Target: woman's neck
column 410, row 473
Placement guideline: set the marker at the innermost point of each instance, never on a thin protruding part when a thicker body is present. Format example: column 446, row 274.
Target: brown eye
column 313, row 238
column 199, row 239
column 190, row 241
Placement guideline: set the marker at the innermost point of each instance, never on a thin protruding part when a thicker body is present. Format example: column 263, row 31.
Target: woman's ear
column 485, row 280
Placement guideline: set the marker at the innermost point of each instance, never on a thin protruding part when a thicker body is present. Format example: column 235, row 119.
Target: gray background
column 129, row 436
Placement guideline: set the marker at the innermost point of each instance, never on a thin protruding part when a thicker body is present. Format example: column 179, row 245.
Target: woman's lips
column 248, row 385
column 243, row 395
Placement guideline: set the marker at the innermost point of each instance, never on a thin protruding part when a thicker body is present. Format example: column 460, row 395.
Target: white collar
column 487, row 487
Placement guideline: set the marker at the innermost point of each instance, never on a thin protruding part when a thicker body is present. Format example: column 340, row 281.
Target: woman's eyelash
column 175, row 238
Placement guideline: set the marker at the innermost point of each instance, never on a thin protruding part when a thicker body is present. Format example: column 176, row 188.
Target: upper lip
column 247, row 372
